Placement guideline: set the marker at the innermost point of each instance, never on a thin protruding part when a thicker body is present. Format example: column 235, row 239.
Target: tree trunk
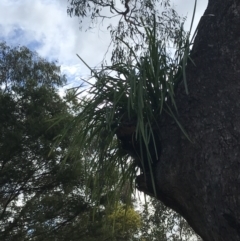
column 201, row 179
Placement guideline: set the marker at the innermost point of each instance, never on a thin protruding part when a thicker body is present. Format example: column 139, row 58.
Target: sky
column 45, row 26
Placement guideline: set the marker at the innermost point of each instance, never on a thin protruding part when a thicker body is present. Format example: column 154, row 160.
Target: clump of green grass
column 119, row 117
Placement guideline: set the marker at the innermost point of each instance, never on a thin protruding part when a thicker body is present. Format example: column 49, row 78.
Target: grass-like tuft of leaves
column 117, row 121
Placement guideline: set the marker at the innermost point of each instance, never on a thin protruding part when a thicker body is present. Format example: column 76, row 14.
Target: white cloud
column 44, row 25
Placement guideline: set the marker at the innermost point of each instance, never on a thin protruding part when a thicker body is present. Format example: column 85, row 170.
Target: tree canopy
column 45, row 194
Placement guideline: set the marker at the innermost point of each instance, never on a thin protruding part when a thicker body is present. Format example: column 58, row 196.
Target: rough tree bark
column 201, row 180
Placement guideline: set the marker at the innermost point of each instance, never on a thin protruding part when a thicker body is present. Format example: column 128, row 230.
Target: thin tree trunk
column 201, row 179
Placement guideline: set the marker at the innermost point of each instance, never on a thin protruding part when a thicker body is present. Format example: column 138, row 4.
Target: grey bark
column 201, row 179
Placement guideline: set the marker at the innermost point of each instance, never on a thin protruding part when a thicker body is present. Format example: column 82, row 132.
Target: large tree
column 200, row 178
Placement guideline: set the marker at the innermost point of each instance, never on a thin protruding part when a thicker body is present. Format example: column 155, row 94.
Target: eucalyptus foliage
column 123, row 21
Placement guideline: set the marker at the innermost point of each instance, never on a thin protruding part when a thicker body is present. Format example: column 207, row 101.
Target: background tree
column 200, row 179
column 162, row 223
column 43, row 194
column 28, row 99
